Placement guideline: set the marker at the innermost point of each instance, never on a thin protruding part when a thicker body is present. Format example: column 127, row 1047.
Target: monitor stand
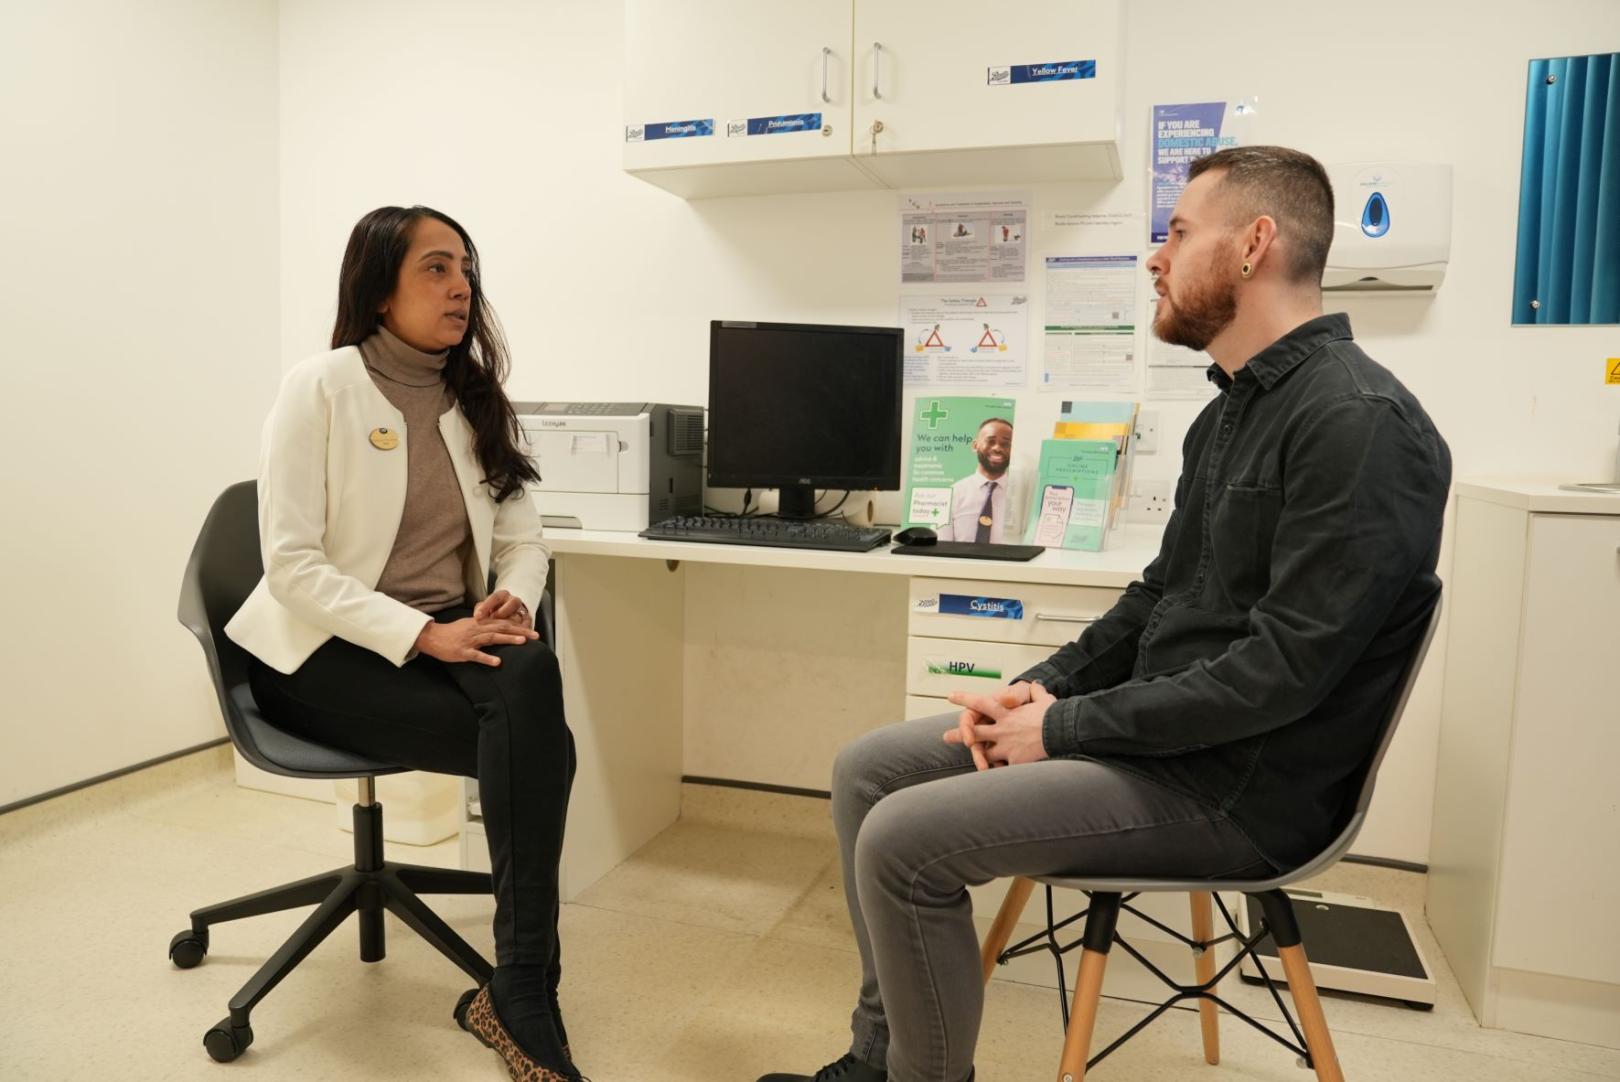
column 796, row 501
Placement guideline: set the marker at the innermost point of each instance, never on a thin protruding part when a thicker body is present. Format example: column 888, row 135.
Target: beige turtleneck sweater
column 426, row 569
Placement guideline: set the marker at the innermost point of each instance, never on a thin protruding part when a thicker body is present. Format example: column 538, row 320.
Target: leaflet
column 963, row 236
column 1074, row 485
column 966, row 339
column 1090, row 323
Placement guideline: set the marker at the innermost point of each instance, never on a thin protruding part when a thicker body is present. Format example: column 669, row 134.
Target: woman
column 390, row 487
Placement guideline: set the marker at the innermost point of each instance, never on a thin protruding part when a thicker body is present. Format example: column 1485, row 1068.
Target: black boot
column 847, row 1069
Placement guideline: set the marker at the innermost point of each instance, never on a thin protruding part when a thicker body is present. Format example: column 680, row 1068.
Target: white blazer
column 330, row 504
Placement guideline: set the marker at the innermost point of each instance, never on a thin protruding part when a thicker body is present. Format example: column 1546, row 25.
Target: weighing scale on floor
column 1353, row 944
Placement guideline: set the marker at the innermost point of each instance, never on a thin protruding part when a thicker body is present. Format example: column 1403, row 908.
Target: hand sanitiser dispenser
column 1391, row 227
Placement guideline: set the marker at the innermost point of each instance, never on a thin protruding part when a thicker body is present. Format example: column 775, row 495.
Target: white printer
column 614, row 465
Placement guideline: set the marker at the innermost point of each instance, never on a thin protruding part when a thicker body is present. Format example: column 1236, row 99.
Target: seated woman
column 391, row 485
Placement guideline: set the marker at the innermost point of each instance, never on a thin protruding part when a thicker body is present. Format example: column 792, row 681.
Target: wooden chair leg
column 1297, row 971
column 1083, row 1017
column 1203, row 930
column 1012, row 907
column 1102, row 915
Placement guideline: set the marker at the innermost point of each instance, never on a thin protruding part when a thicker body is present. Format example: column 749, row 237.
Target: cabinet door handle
column 1059, row 618
column 877, row 82
column 825, row 54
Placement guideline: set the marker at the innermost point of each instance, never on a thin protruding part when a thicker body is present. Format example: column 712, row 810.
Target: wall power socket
column 1149, row 503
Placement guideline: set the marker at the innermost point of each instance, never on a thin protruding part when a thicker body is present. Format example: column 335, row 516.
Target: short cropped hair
column 992, row 421
column 1291, row 187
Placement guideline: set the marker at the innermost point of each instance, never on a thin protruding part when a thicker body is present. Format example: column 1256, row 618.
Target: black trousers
column 503, row 726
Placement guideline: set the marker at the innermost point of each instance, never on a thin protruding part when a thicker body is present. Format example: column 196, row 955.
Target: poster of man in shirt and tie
column 961, row 482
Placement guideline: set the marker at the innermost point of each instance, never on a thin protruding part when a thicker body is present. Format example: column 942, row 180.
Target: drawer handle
column 825, row 54
column 1058, row 618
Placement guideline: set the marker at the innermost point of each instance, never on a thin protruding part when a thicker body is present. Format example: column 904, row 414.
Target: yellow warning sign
column 1612, row 368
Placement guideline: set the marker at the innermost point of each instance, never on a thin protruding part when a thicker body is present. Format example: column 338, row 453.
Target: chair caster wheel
column 225, row 1042
column 188, row 948
column 461, row 1007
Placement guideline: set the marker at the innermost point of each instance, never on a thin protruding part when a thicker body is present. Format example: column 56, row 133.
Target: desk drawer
column 1005, row 611
column 926, row 706
column 937, row 667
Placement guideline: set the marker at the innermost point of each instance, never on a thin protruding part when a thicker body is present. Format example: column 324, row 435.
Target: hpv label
column 941, row 666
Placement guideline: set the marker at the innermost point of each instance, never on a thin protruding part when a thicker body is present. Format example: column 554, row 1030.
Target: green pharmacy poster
column 960, row 478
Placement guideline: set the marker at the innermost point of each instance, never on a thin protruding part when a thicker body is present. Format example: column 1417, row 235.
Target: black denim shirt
column 1250, row 666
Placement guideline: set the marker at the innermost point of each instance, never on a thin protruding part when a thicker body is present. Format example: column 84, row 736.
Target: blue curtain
column 1568, row 268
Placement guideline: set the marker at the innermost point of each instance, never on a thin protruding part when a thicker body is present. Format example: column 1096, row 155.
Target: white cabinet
column 736, row 97
column 965, row 92
column 968, row 635
column 1524, row 874
column 700, row 76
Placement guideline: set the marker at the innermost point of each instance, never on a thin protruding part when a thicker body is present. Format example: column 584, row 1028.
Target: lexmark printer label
column 669, row 129
column 1055, row 72
column 993, row 608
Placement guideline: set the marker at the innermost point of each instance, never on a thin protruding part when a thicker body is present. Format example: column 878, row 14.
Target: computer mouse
column 916, row 535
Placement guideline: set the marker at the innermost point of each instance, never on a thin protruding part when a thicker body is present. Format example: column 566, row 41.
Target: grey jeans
column 917, row 824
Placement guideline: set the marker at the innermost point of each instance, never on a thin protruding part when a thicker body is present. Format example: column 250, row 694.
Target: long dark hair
column 477, row 365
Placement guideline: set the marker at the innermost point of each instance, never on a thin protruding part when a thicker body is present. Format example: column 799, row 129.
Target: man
column 987, row 504
column 1208, row 724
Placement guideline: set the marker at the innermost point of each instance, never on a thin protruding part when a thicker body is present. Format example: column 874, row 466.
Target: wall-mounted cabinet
column 734, row 97
column 699, row 74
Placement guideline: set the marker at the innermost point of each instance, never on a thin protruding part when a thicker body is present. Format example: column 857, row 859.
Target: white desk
column 751, row 664
column 1118, row 566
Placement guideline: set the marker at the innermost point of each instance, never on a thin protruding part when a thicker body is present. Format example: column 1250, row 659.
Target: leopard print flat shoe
column 460, row 1015
column 482, row 1022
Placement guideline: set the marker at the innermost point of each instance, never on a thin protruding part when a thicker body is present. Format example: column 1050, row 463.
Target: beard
column 991, row 469
column 1207, row 306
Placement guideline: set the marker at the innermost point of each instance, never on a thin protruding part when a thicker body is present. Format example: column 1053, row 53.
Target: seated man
column 1207, row 725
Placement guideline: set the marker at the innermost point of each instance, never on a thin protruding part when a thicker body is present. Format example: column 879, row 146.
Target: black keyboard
column 768, row 531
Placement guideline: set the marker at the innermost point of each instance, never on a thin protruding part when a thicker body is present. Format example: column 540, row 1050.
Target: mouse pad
column 972, row 550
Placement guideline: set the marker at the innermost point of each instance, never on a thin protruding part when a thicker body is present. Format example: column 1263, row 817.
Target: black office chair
column 223, row 570
column 1313, row 1046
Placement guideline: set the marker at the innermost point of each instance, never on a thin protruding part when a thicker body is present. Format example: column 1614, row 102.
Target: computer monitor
column 799, row 406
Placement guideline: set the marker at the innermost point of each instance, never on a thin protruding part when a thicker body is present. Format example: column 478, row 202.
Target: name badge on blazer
column 384, row 439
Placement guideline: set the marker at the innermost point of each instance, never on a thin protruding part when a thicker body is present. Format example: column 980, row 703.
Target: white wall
column 508, row 116
column 138, row 218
